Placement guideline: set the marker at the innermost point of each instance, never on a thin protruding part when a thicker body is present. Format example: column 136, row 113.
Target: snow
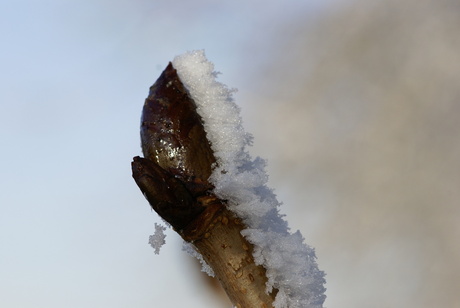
column 158, row 238
column 191, row 250
column 239, row 179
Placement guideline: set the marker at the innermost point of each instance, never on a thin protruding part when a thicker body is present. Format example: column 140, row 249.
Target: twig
column 173, row 176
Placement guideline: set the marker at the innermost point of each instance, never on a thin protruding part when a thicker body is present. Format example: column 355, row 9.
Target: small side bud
column 166, row 194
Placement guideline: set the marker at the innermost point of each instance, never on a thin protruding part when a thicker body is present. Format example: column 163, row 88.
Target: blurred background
column 355, row 104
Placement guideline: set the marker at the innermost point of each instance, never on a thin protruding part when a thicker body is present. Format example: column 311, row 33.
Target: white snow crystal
column 158, row 238
column 239, row 179
column 190, row 249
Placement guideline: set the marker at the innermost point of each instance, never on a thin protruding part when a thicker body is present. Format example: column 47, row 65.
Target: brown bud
column 167, row 195
column 172, row 133
column 178, row 157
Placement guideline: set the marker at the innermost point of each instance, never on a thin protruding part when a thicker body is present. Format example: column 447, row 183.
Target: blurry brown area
column 361, row 128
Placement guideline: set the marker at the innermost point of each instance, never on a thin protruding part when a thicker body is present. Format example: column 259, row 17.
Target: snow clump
column 158, row 238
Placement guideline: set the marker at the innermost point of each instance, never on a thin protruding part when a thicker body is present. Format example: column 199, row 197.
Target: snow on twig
column 290, row 263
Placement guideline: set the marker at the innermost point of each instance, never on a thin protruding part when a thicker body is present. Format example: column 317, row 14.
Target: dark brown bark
column 173, row 177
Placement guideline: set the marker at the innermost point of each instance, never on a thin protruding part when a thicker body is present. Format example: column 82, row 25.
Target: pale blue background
column 74, row 74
